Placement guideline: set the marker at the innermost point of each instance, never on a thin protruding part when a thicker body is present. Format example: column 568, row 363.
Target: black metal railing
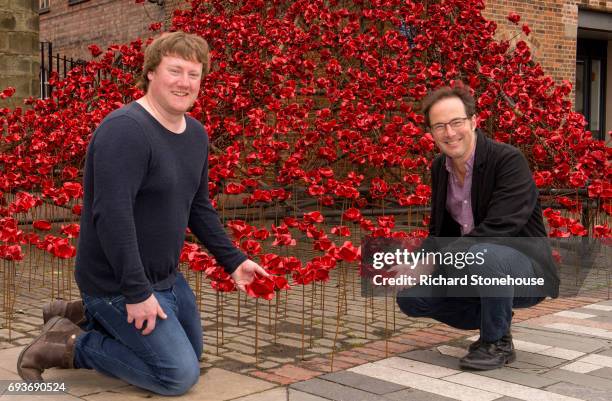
column 50, row 63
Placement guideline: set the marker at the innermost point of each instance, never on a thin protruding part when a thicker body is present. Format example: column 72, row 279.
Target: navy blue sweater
column 144, row 185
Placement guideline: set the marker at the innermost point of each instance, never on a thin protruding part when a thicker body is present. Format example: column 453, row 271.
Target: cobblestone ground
column 283, row 349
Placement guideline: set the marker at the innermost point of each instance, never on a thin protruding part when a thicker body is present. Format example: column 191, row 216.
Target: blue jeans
column 165, row 362
column 492, row 315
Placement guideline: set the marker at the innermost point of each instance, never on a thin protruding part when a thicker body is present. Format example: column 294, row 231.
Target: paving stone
column 556, row 339
column 598, row 359
column 421, row 368
column 295, row 395
column 607, row 352
column 7, row 375
column 606, row 373
column 455, row 352
column 294, row 372
column 506, row 388
column 585, row 330
column 424, row 383
column 574, row 315
column 237, row 347
column 597, row 312
column 518, row 377
column 562, row 353
column 581, row 392
column 335, row 391
column 8, row 358
column 281, row 360
column 81, row 382
column 433, row 357
column 362, row 382
column 290, row 343
column 507, row 399
column 417, row 395
column 54, row 397
column 540, row 360
column 601, row 306
column 272, row 377
column 580, row 379
column 580, row 367
column 529, row 346
column 602, row 319
column 275, row 394
column 267, row 365
column 237, row 356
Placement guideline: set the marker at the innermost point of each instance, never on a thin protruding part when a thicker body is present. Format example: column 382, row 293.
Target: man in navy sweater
column 146, row 181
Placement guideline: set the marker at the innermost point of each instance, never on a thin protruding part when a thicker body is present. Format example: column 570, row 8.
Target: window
column 73, row 2
column 43, row 6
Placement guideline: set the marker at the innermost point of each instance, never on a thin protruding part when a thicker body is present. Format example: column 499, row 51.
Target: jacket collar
column 482, row 148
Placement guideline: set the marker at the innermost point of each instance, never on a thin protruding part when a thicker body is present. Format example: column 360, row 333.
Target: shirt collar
column 469, row 164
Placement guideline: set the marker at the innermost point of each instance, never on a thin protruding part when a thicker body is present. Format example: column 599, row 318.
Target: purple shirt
column 458, row 197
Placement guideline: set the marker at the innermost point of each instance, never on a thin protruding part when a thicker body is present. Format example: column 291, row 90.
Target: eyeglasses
column 455, row 123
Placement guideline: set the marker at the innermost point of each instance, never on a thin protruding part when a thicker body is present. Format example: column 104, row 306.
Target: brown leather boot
column 54, row 347
column 73, row 311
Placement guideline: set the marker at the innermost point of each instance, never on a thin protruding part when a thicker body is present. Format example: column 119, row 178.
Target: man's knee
column 181, row 378
column 414, row 307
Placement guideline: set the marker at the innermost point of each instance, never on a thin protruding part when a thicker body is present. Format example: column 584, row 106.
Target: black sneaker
column 490, row 355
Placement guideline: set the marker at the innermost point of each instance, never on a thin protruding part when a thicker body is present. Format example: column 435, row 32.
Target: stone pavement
column 564, row 352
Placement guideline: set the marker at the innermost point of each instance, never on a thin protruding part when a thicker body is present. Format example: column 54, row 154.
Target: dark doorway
column 591, row 57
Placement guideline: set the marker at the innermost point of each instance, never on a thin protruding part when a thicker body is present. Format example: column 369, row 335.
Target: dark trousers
column 491, row 314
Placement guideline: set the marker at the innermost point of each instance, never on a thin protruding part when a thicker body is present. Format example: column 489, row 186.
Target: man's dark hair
column 462, row 92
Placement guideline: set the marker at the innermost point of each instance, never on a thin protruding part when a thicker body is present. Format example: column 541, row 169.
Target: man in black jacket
column 482, row 191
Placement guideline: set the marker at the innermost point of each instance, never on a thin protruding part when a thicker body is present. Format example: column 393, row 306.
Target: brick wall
column 71, row 28
column 553, row 24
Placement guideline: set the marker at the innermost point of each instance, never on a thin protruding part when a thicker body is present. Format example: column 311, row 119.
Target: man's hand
column 145, row 311
column 245, row 273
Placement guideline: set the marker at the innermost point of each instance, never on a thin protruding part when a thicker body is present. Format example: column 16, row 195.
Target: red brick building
column 572, row 39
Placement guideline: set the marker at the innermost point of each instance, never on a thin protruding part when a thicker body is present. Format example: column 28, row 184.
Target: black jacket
column 504, row 204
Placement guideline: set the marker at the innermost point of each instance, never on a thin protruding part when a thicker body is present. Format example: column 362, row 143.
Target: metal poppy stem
column 303, row 316
column 198, row 287
column 52, row 279
column 365, row 317
column 217, row 320
column 222, row 324
column 270, row 317
column 386, row 326
column 322, row 309
column 8, row 309
column 337, row 329
column 312, row 298
column 276, row 301
column 238, row 313
column 256, row 331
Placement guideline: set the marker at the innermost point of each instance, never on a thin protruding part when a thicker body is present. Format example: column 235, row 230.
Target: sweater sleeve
column 205, row 223
column 120, row 162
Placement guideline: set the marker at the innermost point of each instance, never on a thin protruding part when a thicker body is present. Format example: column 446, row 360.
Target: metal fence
column 50, row 63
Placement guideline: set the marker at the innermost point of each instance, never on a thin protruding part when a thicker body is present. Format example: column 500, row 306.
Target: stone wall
column 19, row 49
